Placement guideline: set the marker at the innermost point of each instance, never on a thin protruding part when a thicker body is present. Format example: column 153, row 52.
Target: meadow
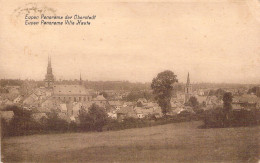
column 176, row 142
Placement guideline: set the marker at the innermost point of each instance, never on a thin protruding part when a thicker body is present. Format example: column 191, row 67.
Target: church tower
column 49, row 77
column 80, row 80
column 188, row 89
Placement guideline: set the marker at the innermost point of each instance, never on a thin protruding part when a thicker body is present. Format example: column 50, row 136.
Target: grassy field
column 179, row 142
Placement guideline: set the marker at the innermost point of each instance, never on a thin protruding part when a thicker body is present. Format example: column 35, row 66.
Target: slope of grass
column 178, row 142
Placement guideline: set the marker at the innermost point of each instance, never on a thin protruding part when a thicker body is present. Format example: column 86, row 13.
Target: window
column 75, row 99
column 84, row 98
column 79, row 98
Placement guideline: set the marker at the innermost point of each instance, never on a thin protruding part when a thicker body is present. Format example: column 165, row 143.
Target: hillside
column 179, row 142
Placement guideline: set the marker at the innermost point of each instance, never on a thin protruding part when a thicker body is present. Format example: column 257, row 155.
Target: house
column 247, row 101
column 18, row 99
column 115, row 104
column 200, row 92
column 63, row 108
column 157, row 112
column 176, row 110
column 7, row 102
column 130, row 104
column 142, row 100
column 76, row 109
column 38, row 117
column 31, row 100
column 236, row 106
column 100, row 100
column 139, row 112
column 176, row 107
column 126, row 112
column 150, row 105
column 112, row 114
column 50, row 104
column 202, row 99
column 13, row 89
column 143, row 112
column 64, row 116
column 7, row 115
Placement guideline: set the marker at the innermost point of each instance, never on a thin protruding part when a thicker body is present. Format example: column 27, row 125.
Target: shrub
column 55, row 123
column 21, row 124
column 94, row 119
column 234, row 118
column 214, row 118
column 245, row 117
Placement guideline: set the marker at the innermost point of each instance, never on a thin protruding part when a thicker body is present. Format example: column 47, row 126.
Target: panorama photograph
column 130, row 81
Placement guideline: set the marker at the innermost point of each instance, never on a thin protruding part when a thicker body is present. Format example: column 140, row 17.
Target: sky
column 215, row 41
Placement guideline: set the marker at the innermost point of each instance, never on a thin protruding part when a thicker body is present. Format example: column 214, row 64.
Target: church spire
column 188, row 79
column 188, row 89
column 49, row 61
column 80, row 80
column 49, row 77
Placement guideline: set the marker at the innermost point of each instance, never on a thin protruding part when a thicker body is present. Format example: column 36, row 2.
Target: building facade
column 71, row 93
column 66, row 93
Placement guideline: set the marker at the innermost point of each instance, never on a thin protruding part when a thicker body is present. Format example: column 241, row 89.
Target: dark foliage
column 252, row 90
column 162, row 89
column 135, row 95
column 227, row 99
column 54, row 123
column 193, row 102
column 217, row 118
column 94, row 119
column 104, row 94
column 21, row 124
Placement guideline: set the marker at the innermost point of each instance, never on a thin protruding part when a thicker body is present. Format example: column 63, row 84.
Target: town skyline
column 84, row 77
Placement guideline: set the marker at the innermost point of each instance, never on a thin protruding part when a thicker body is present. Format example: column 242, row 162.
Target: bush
column 21, row 124
column 94, row 119
column 245, row 117
column 234, row 118
column 214, row 118
column 54, row 123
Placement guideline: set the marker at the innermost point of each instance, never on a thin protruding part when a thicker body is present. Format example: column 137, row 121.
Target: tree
column 193, row 102
column 55, row 123
column 94, row 119
column 227, row 101
column 227, row 107
column 162, row 89
column 219, row 93
column 22, row 122
column 252, row 90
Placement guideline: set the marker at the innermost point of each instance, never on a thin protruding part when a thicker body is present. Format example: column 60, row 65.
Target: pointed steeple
column 49, row 61
column 80, row 80
column 49, row 77
column 188, row 89
column 188, row 79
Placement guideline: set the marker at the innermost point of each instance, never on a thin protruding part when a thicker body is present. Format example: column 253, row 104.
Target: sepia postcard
column 130, row 81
